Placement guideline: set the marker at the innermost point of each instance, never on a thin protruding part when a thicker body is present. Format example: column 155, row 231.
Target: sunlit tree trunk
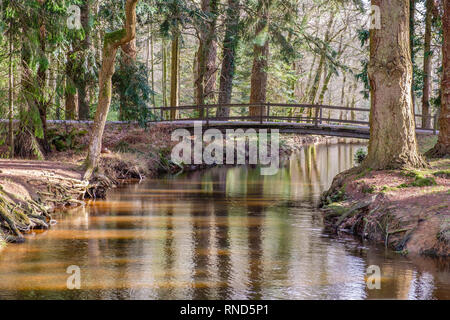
column 344, row 80
column 152, row 64
column 205, row 82
column 86, row 45
column 164, row 73
column 11, row 93
column 442, row 148
column 320, row 69
column 112, row 42
column 426, row 120
column 392, row 141
column 129, row 59
column 174, row 76
column 40, row 98
column 26, row 144
column 230, row 43
column 258, row 82
column 412, row 22
column 71, row 96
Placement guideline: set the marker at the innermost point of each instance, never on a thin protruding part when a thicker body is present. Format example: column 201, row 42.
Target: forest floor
column 406, row 210
column 129, row 153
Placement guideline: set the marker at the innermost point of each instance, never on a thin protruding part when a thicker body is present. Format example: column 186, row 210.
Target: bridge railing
column 275, row 112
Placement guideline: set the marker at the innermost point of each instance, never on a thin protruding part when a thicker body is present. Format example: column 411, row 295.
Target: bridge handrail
column 316, row 119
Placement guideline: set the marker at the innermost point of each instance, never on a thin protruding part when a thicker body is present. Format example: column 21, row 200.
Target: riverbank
column 406, row 210
column 32, row 189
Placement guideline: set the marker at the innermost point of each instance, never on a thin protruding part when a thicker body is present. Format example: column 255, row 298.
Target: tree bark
column 128, row 60
column 11, row 94
column 392, row 143
column 83, row 85
column 412, row 22
column 258, row 82
column 153, row 67
column 174, row 76
column 26, row 145
column 442, row 148
column 427, row 55
column 112, row 42
column 205, row 82
column 71, row 95
column 42, row 102
column 318, row 77
column 230, row 43
column 164, row 73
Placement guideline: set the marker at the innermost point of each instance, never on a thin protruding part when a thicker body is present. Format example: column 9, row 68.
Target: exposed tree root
column 19, row 216
column 438, row 151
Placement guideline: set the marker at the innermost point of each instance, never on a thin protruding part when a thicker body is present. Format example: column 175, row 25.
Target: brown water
column 224, row 233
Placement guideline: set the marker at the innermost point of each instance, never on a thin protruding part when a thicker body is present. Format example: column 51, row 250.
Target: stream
column 220, row 233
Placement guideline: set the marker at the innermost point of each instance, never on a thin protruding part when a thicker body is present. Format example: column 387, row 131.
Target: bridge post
column 316, row 120
column 320, row 114
column 261, row 114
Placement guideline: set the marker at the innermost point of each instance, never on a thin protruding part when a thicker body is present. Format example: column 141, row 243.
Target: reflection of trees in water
column 241, row 235
column 169, row 253
column 255, row 190
column 222, row 241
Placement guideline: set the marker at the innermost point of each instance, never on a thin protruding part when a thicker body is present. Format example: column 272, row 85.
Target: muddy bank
column 406, row 210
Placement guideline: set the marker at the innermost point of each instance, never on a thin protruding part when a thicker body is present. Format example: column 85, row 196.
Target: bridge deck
column 360, row 132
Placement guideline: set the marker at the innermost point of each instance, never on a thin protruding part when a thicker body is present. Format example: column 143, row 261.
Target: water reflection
column 225, row 233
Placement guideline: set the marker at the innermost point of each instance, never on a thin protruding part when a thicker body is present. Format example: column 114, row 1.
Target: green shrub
column 65, row 140
column 360, row 155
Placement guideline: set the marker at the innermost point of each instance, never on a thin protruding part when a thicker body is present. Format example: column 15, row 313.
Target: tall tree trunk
column 211, row 6
column 26, row 145
column 71, row 95
column 41, row 101
column 427, row 55
column 205, row 83
column 329, row 73
column 412, row 22
column 164, row 73
column 86, row 45
column 112, row 42
column 152, row 64
column 318, row 76
column 258, row 90
column 344, row 80
column 353, row 104
column 392, row 141
column 174, row 76
column 129, row 50
column 230, row 43
column 442, row 148
column 11, row 94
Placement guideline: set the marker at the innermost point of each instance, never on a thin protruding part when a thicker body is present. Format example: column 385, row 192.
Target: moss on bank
column 408, row 211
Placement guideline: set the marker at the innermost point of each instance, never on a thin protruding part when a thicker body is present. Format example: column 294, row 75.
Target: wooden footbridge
column 287, row 118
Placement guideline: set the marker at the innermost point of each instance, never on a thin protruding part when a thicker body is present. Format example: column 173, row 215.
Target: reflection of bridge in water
column 273, row 116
